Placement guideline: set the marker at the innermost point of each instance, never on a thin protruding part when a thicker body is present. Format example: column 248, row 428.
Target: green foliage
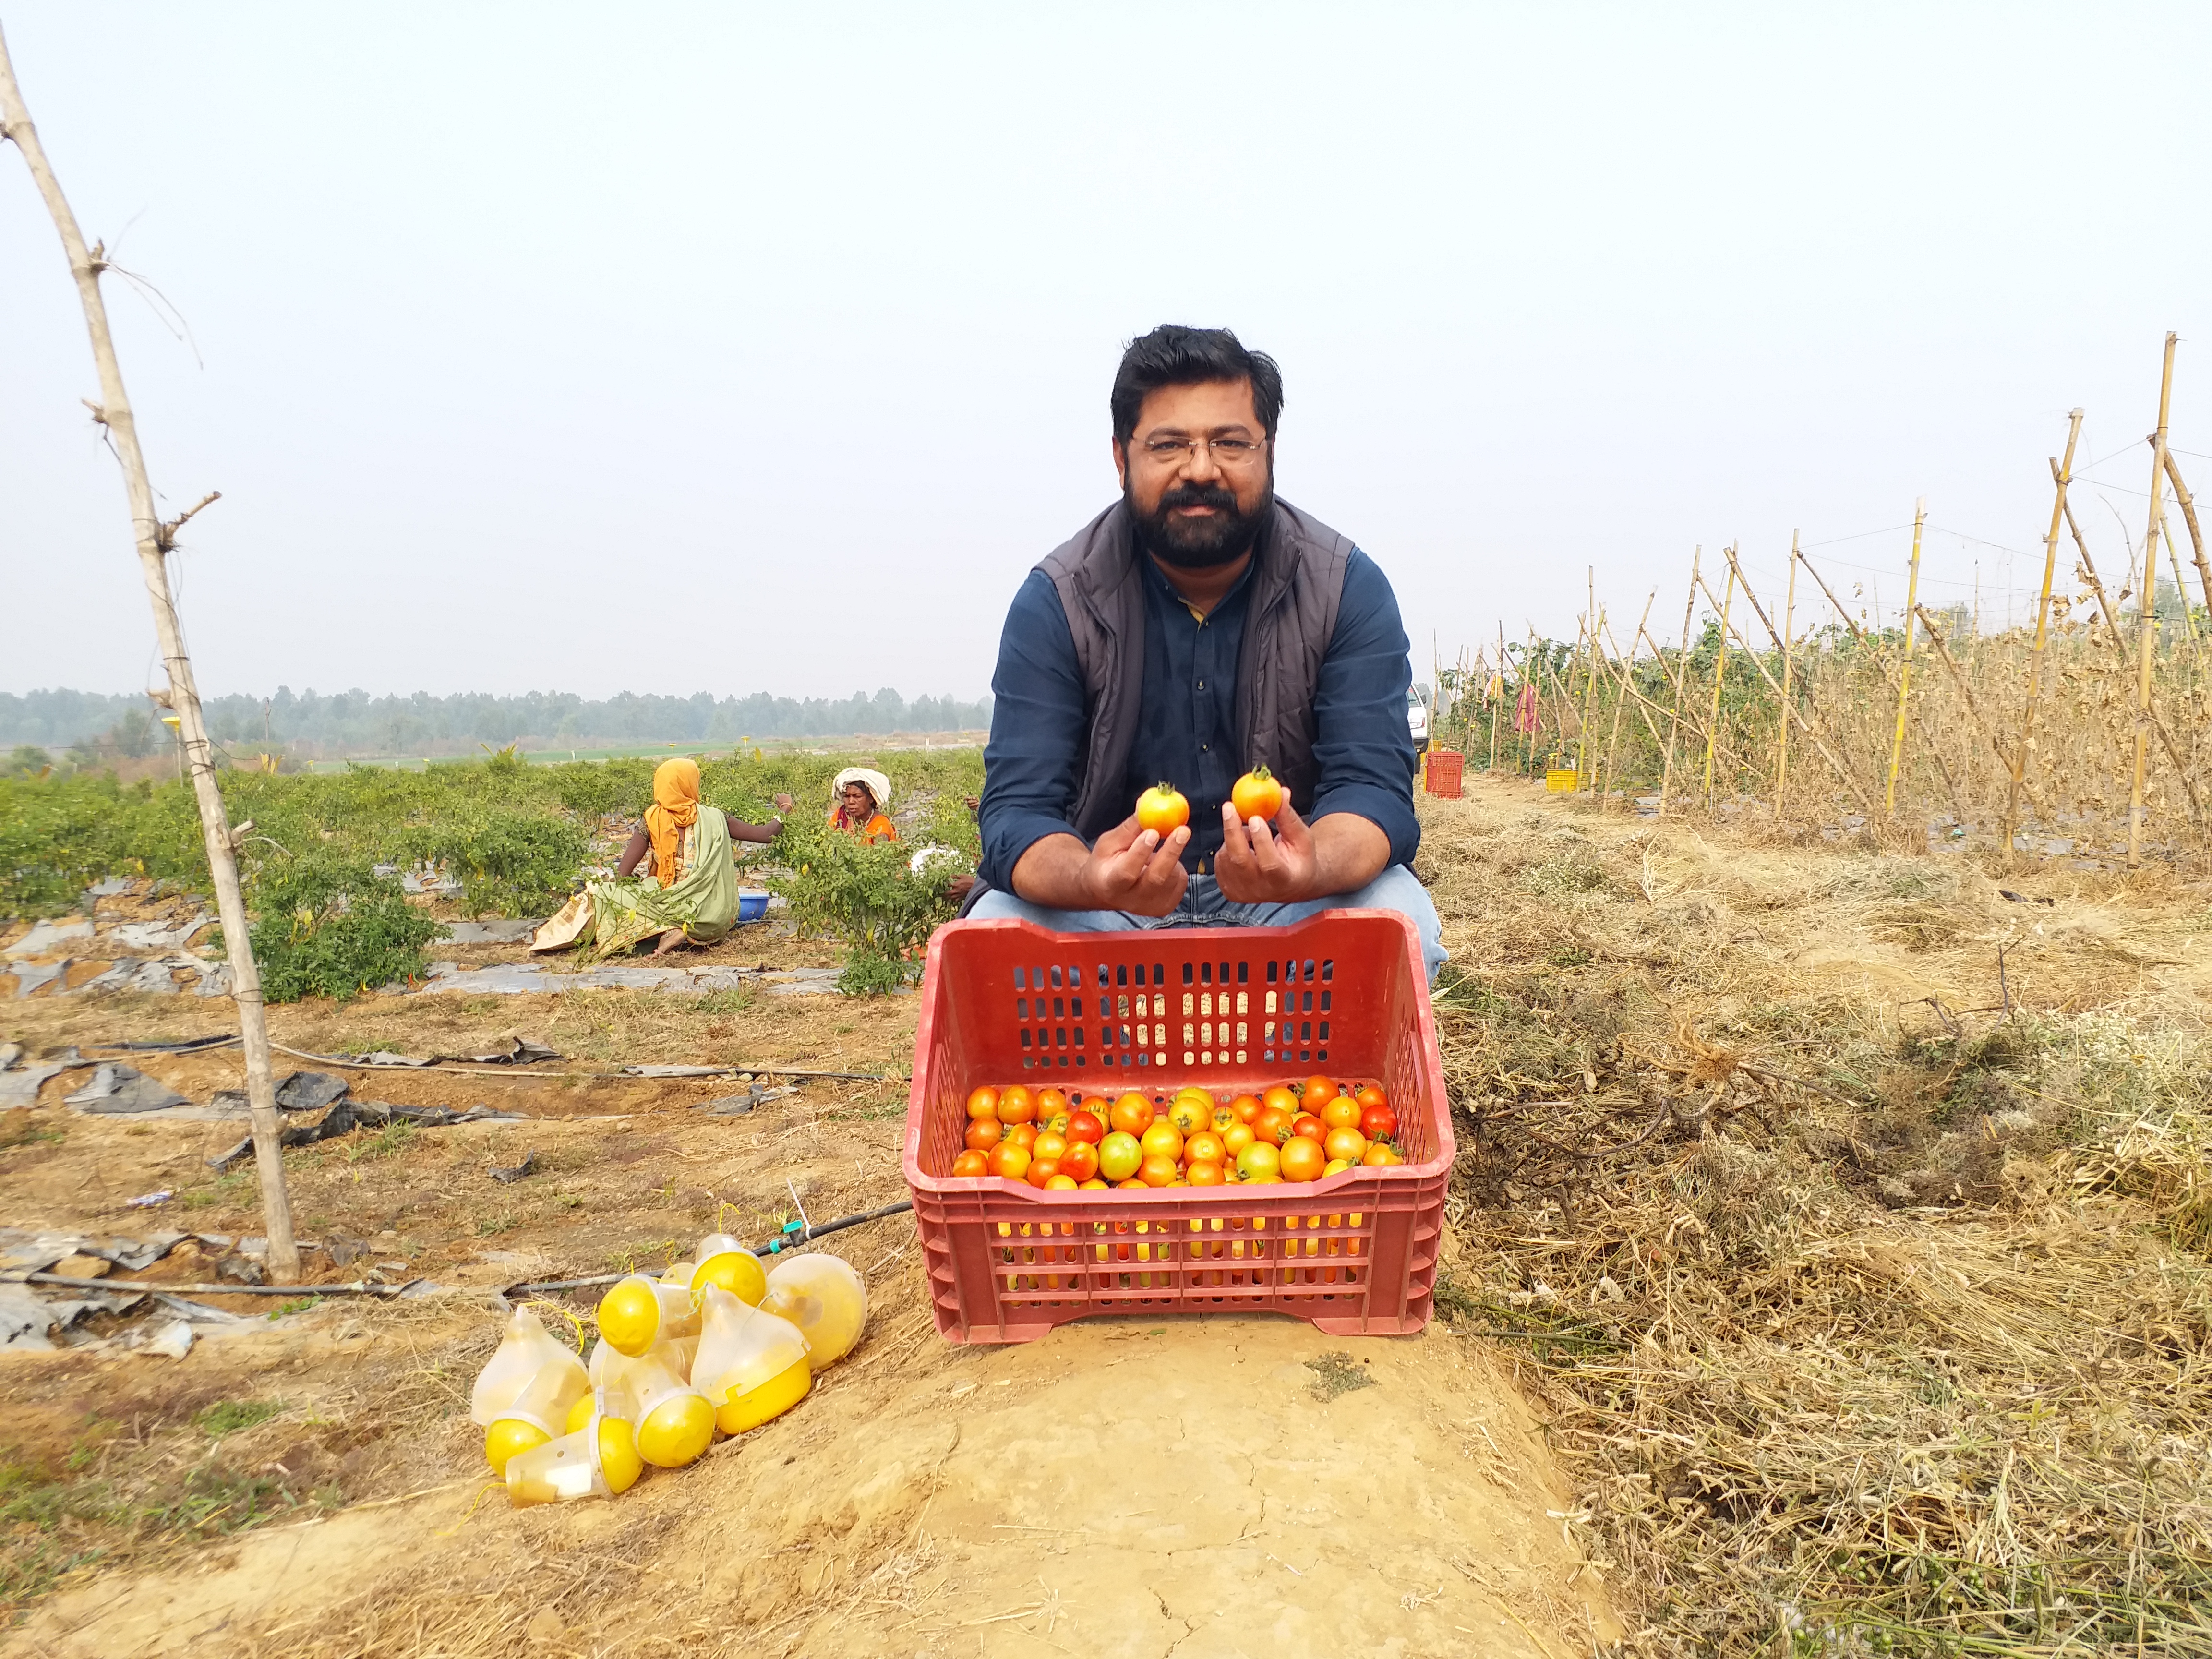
column 229, row 1416
column 325, row 925
column 511, row 862
column 26, row 761
column 866, row 898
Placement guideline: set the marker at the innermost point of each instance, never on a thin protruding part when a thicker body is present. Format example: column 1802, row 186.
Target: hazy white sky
column 740, row 349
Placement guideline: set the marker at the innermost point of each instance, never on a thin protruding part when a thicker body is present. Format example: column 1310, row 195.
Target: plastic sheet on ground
column 49, row 936
column 20, row 1086
column 118, row 1089
column 517, row 979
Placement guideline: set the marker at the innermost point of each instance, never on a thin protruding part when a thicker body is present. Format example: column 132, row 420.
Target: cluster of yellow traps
column 716, row 1343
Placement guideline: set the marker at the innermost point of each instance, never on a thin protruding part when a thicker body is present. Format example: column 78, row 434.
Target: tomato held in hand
column 1258, row 795
column 1161, row 808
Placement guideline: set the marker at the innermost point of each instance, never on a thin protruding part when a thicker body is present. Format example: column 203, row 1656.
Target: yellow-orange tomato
column 1062, row 1183
column 1041, row 1170
column 1203, row 1173
column 1380, row 1156
column 1273, row 1126
column 1342, row 1113
column 1205, row 1147
column 1283, row 1099
column 1258, row 795
column 1095, row 1181
column 983, row 1102
column 1049, row 1101
column 1016, row 1105
column 971, row 1164
column 1132, row 1114
column 1156, row 1172
column 1260, row 1162
column 1010, row 1159
column 1319, row 1091
column 1339, row 1165
column 1370, row 1094
column 1346, row 1144
column 1024, row 1135
column 1235, row 1139
column 1133, row 1180
column 1049, row 1144
column 1162, row 808
column 984, row 1134
column 1221, row 1117
column 1162, row 1140
column 1246, row 1107
column 1190, row 1111
column 1301, row 1159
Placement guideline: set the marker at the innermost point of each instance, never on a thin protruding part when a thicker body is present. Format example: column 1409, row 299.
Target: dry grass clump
column 1870, row 1325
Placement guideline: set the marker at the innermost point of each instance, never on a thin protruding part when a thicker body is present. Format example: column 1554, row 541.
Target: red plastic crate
column 1232, row 1010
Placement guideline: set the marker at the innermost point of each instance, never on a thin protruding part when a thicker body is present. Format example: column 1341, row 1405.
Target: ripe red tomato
column 1162, row 808
column 1273, row 1126
column 1016, row 1105
column 1303, row 1159
column 984, row 1134
column 1319, row 1091
column 983, row 1102
column 971, row 1164
column 1079, row 1160
column 1370, row 1094
column 1258, row 795
column 1308, row 1125
column 1379, row 1123
column 1082, row 1125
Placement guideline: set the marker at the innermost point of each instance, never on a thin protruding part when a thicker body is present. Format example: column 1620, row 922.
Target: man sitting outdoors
column 1194, row 630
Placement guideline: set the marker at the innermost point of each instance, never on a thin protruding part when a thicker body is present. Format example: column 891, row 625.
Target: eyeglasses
column 1229, row 453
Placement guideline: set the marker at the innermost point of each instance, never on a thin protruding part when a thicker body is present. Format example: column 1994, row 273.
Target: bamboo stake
column 1812, row 729
column 2063, row 473
column 2188, row 505
column 1498, row 703
column 1590, row 688
column 1720, row 667
column 1905, row 680
column 1789, row 663
column 1674, row 727
column 1648, row 708
column 2146, row 611
column 1620, row 707
column 155, row 539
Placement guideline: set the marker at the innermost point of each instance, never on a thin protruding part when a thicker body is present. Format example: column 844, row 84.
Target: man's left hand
column 1258, row 866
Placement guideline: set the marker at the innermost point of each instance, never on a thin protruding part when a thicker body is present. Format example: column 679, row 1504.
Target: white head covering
column 877, row 785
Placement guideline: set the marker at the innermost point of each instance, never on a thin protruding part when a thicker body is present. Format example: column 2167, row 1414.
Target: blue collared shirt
column 1186, row 724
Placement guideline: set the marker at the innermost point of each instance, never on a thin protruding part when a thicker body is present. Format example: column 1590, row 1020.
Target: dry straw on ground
column 1872, row 1324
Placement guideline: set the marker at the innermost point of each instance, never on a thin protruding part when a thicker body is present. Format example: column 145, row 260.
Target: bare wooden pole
column 2064, row 474
column 1789, row 665
column 2146, row 611
column 1585, row 762
column 1620, row 707
column 2188, row 505
column 1905, row 680
column 155, row 539
column 1498, row 703
column 1674, row 724
column 1720, row 667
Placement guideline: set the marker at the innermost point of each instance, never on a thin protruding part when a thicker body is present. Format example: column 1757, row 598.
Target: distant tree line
column 354, row 722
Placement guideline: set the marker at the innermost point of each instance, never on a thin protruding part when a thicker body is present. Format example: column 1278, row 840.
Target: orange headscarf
column 675, row 809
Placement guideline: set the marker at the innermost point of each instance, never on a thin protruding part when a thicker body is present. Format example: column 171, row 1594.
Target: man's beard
column 1200, row 544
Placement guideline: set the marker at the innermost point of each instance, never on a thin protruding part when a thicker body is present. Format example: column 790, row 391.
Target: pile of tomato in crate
column 1062, row 1141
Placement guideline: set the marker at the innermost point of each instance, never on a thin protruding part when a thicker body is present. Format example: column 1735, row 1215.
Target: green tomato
column 1119, row 1156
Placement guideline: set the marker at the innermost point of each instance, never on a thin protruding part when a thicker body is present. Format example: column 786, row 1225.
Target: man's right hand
column 1129, row 868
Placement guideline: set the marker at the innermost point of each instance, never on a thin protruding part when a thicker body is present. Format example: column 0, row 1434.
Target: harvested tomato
column 1049, row 1144
column 1132, row 1114
column 1246, row 1107
column 1260, row 1162
column 1016, row 1105
column 1079, row 1160
column 971, row 1164
column 1156, row 1172
column 984, row 1134
column 1162, row 1140
column 1205, row 1147
column 1369, row 1094
column 1049, row 1101
column 1162, row 808
column 1099, row 1185
column 1202, row 1173
column 1119, row 1156
column 1022, row 1135
column 1083, row 1126
column 1348, row 1145
column 1041, row 1170
column 1062, row 1183
column 1319, row 1091
column 1010, row 1160
column 1221, row 1117
column 1308, row 1125
column 1258, row 795
column 1236, row 1138
column 982, row 1103
column 1283, row 1099
column 1273, row 1126
column 1379, row 1123
column 1379, row 1155
column 1131, row 1182
column 1191, row 1110
column 1342, row 1113
column 1302, row 1158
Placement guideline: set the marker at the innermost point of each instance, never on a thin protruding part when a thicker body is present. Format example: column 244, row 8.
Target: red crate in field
column 1232, row 1010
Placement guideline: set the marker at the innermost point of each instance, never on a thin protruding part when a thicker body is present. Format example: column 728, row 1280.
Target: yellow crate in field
column 1562, row 781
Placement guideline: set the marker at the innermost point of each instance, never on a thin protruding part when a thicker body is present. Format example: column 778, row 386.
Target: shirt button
column 1201, row 685
column 1204, row 747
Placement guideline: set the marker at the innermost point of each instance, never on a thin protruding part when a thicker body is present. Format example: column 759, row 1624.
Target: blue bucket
column 752, row 905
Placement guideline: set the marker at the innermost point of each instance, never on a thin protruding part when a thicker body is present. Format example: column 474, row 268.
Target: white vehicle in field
column 1417, row 712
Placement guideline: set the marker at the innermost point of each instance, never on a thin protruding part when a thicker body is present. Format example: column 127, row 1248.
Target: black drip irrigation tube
column 790, row 1238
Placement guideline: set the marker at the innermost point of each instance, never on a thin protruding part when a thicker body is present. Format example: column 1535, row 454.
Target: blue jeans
column 1202, row 906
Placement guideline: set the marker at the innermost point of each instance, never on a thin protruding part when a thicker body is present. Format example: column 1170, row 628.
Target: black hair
column 1173, row 354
